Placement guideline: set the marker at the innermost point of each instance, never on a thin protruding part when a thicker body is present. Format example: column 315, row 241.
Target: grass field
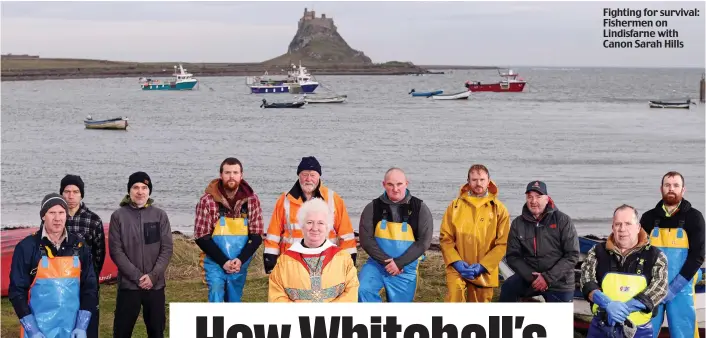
column 184, row 284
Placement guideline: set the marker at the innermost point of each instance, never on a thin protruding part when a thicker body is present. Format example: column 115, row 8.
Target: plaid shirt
column 655, row 291
column 207, row 213
column 88, row 226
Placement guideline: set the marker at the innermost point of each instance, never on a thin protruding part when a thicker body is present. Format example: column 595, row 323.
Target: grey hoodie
column 425, row 230
column 140, row 242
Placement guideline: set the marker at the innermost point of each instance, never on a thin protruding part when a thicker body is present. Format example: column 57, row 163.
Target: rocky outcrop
column 317, row 41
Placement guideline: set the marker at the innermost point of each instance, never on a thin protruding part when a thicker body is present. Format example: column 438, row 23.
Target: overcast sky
column 561, row 34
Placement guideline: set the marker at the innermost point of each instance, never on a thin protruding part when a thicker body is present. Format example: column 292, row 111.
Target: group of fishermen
column 646, row 268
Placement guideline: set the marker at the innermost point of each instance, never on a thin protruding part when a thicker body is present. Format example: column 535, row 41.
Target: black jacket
column 26, row 258
column 550, row 247
column 693, row 226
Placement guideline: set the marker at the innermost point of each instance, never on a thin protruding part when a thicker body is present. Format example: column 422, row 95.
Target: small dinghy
column 118, row 123
column 326, row 99
column 675, row 104
column 425, row 94
column 464, row 95
column 295, row 104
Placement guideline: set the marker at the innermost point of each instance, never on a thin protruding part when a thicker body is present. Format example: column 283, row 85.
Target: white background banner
column 370, row 320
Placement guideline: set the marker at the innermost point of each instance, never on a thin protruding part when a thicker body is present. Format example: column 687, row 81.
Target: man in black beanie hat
column 87, row 225
column 140, row 243
column 281, row 235
column 68, row 311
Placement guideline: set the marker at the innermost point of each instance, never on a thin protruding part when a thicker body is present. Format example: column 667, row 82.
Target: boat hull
column 293, row 88
column 284, row 105
column 189, row 85
column 334, row 99
column 684, row 105
column 10, row 238
column 464, row 95
column 512, row 87
column 109, row 124
column 428, row 94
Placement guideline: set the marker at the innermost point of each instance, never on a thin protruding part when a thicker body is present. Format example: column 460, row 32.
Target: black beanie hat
column 139, row 177
column 309, row 163
column 51, row 200
column 72, row 180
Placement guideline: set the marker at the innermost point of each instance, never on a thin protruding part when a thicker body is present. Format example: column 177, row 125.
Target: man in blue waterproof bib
column 228, row 228
column 677, row 229
column 53, row 287
column 624, row 278
column 395, row 231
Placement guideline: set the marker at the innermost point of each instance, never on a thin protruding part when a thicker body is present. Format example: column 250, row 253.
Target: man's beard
column 671, row 199
column 226, row 186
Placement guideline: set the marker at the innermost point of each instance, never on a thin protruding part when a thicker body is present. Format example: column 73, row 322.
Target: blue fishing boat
column 181, row 81
column 297, row 81
column 426, row 94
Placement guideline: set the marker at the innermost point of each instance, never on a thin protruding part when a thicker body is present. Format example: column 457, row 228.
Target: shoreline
column 37, row 69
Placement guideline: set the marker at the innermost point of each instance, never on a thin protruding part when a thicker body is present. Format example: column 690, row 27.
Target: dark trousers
column 127, row 309
column 517, row 287
column 92, row 331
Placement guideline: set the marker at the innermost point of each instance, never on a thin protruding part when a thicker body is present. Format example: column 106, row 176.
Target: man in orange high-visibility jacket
column 284, row 229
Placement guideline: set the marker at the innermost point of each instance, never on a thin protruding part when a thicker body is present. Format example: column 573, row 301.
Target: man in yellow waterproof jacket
column 473, row 239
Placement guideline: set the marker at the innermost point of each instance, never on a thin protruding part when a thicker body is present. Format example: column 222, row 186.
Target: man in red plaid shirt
column 228, row 228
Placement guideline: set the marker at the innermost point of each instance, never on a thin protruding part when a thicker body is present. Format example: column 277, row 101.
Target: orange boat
column 11, row 237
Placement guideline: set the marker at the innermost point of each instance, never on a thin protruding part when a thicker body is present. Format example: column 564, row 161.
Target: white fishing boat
column 464, row 95
column 325, row 99
column 118, row 123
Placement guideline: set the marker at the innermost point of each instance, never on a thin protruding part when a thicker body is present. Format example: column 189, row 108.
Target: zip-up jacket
column 549, row 246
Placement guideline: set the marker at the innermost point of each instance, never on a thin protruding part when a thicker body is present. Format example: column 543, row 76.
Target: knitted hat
column 309, row 163
column 139, row 177
column 51, row 200
column 72, row 180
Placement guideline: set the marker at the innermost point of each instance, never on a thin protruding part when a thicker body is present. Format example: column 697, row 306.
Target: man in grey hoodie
column 395, row 231
column 140, row 243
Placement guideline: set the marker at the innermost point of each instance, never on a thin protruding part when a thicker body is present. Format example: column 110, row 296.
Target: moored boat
column 457, row 96
column 425, row 94
column 294, row 104
column 298, row 80
column 118, row 123
column 674, row 104
column 181, row 81
column 510, row 84
column 11, row 237
column 327, row 99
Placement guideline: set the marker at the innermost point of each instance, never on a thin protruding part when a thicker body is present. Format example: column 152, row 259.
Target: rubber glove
column 82, row 320
column 29, row 323
column 674, row 287
column 463, row 269
column 617, row 311
column 477, row 269
column 635, row 305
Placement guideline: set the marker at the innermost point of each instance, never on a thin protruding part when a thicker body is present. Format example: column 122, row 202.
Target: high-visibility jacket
column 284, row 228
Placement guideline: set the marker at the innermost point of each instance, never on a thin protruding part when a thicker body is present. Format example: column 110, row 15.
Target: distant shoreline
column 35, row 69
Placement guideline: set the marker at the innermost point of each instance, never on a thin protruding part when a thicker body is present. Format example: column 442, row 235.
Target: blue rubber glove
column 635, row 305
column 82, row 320
column 617, row 312
column 600, row 299
column 463, row 269
column 674, row 287
column 29, row 323
column 477, row 269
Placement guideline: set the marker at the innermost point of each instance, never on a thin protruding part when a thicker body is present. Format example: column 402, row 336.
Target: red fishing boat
column 11, row 237
column 511, row 83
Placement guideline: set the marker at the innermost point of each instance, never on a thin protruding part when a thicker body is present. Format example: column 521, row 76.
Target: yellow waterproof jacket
column 312, row 275
column 475, row 230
